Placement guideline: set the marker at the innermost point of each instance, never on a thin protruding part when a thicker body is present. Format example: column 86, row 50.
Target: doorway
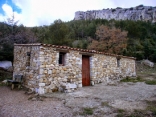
column 85, row 70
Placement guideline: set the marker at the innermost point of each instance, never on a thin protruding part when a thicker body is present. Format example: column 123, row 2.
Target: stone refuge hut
column 47, row 68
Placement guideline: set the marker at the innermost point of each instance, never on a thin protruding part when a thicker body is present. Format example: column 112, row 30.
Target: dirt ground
column 101, row 100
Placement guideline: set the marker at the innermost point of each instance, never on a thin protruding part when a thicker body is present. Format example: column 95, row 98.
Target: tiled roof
column 76, row 49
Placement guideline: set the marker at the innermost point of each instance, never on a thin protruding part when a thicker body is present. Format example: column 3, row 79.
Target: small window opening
column 62, row 58
column 28, row 59
column 118, row 62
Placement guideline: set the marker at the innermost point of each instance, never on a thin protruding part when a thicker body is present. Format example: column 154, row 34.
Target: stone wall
column 128, row 67
column 43, row 73
column 29, row 71
column 104, row 68
column 57, row 76
column 144, row 13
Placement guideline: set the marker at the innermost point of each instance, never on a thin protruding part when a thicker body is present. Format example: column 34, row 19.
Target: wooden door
column 85, row 70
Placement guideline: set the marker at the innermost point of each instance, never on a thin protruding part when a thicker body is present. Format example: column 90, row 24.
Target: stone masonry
column 39, row 64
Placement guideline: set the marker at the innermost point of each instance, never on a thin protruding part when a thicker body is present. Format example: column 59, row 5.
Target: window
column 62, row 58
column 118, row 62
column 28, row 59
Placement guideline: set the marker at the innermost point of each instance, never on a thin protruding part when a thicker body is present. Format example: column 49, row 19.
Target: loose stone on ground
column 102, row 99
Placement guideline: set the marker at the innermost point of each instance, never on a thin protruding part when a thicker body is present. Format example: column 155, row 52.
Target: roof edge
column 76, row 49
column 30, row 44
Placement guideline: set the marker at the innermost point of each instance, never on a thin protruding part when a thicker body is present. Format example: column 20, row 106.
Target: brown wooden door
column 85, row 71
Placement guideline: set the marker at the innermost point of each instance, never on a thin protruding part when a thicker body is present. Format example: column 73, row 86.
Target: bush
column 88, row 111
column 151, row 82
column 129, row 79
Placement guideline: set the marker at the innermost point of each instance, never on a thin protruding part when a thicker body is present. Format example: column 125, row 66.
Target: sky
column 44, row 12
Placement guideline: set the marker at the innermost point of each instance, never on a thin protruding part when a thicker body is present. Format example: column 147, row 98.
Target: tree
column 11, row 33
column 59, row 33
column 111, row 40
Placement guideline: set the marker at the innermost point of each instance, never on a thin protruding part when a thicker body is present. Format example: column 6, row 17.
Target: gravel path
column 103, row 98
column 14, row 103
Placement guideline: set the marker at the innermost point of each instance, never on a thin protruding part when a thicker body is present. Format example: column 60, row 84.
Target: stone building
column 47, row 68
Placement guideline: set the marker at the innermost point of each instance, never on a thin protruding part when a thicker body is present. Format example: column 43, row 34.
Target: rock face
column 143, row 13
column 39, row 64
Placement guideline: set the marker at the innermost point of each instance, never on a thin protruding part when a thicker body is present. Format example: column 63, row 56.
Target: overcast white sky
column 44, row 12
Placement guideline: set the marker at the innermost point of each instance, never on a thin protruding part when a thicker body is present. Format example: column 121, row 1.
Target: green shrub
column 120, row 110
column 129, row 79
column 87, row 111
column 151, row 82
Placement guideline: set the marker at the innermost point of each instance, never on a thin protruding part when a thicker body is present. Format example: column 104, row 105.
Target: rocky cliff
column 144, row 13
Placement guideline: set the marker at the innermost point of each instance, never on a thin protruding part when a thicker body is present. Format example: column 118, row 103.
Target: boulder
column 147, row 63
column 6, row 64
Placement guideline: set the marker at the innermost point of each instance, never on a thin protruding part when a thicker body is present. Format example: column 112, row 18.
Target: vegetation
column 130, row 38
column 128, row 79
column 151, row 107
column 84, row 112
column 5, row 75
column 138, row 79
column 13, row 34
column 110, row 40
column 87, row 111
column 151, row 82
column 105, row 104
column 150, row 111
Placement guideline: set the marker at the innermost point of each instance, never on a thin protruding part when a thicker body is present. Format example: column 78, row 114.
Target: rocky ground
column 94, row 101
column 15, row 103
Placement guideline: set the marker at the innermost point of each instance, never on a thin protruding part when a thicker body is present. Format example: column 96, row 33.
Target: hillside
column 125, row 37
column 142, row 13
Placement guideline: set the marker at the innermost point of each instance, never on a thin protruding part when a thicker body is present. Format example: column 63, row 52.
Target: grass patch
column 151, row 107
column 129, row 79
column 87, row 111
column 151, row 82
column 104, row 104
column 5, row 78
column 136, row 113
column 138, row 79
column 121, row 113
column 150, row 111
column 143, row 69
column 5, row 75
column 2, row 84
column 120, row 110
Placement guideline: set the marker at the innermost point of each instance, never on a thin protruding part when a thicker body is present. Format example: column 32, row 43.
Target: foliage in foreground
column 151, row 82
column 138, row 79
column 5, row 75
column 129, row 79
column 87, row 111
